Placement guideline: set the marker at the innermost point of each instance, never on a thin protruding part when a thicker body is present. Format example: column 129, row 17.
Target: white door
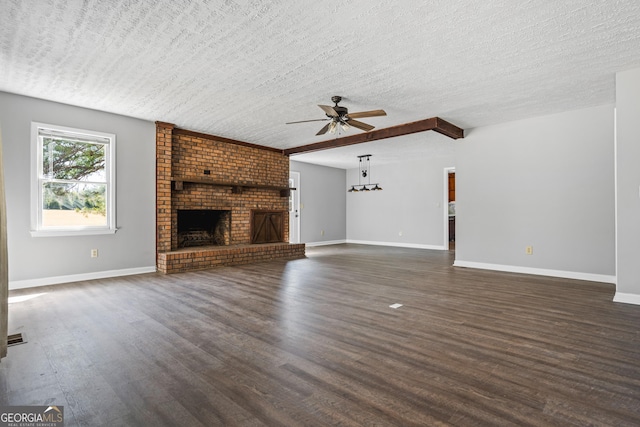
column 294, row 208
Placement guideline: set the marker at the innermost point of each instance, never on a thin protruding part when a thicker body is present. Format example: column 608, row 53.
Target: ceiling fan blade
column 372, row 113
column 329, row 110
column 324, row 129
column 360, row 125
column 305, row 121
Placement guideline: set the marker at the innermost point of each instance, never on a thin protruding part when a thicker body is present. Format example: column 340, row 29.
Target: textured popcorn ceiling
column 242, row 68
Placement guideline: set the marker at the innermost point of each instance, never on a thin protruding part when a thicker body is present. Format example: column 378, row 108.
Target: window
column 73, row 181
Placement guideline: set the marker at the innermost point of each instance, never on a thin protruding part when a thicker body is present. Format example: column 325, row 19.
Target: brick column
column 164, row 137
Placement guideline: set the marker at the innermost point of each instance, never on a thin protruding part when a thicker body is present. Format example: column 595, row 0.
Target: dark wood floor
column 314, row 342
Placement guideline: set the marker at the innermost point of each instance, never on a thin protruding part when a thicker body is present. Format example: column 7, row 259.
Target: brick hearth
column 206, row 257
column 198, row 171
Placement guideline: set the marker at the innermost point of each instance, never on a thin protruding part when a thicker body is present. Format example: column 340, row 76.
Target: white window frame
column 37, row 179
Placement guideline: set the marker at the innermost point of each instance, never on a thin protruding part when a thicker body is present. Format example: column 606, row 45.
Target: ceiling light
column 364, row 171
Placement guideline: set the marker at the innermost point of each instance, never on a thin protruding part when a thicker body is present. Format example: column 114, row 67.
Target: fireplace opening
column 204, row 227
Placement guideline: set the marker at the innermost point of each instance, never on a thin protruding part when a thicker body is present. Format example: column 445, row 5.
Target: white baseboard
column 44, row 281
column 627, row 298
column 538, row 271
column 398, row 245
column 325, row 243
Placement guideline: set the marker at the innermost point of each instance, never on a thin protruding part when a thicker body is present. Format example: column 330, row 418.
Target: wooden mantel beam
column 434, row 123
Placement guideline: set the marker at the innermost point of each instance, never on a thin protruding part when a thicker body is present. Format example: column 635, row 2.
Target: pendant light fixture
column 364, row 174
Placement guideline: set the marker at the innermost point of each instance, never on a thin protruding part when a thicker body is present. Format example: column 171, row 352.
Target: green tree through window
column 75, row 160
column 77, row 173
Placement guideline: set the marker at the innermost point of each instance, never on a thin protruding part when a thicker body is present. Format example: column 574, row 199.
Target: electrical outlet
column 322, row 232
column 94, row 253
column 528, row 250
column 399, row 233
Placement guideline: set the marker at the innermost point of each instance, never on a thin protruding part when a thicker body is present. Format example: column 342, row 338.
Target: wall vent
column 15, row 339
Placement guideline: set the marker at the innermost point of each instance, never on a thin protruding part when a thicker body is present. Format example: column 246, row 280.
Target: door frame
column 294, row 222
column 445, row 204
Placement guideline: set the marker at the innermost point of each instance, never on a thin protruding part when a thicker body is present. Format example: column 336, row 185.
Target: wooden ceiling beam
column 448, row 129
column 434, row 123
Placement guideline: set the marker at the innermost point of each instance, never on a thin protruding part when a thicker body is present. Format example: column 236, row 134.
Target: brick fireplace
column 215, row 197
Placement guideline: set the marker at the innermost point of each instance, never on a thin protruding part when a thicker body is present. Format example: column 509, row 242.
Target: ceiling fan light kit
column 340, row 116
column 364, row 171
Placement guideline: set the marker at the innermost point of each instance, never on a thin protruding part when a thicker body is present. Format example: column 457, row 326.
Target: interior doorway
column 450, row 208
column 294, row 207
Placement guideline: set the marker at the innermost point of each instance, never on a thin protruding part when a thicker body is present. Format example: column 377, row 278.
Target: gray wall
column 323, row 201
column 44, row 260
column 628, row 181
column 546, row 182
column 408, row 211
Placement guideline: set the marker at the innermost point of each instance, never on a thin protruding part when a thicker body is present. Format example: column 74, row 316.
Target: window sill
column 68, row 232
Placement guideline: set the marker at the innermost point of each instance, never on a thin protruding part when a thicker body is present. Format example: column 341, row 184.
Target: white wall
column 628, row 186
column 323, row 203
column 547, row 182
column 37, row 261
column 408, row 211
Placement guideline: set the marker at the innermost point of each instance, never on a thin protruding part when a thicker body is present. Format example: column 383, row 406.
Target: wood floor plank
column 313, row 341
